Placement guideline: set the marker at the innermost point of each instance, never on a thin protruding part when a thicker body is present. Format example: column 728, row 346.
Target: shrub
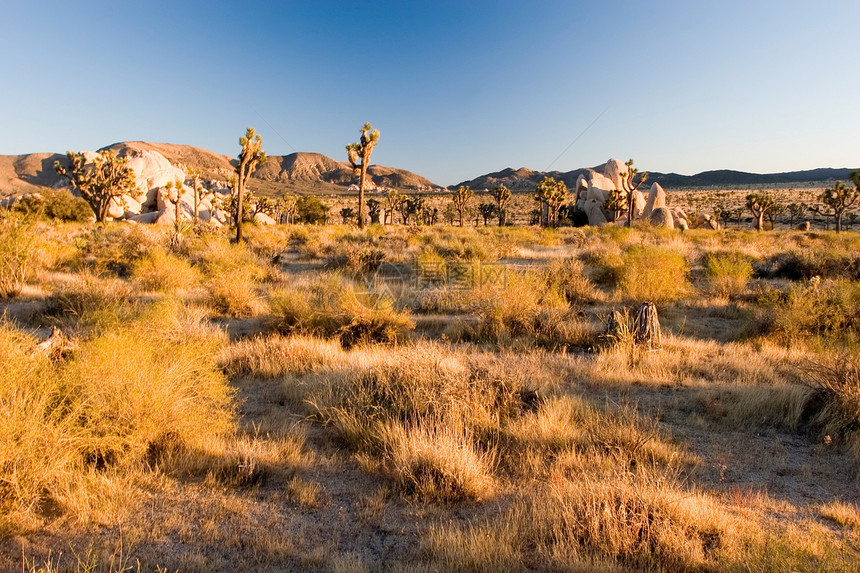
column 162, row 271
column 728, row 272
column 332, row 308
column 829, row 309
column 311, row 209
column 18, row 250
column 655, row 274
column 834, row 405
column 91, row 301
column 56, row 204
column 69, row 428
column 233, row 291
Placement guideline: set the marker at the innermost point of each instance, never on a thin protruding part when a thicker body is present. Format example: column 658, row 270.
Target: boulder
column 706, row 222
column 148, row 218
column 618, row 173
column 263, row 219
column 152, row 171
column 166, row 218
column 662, row 217
column 594, row 211
column 638, row 204
column 656, row 200
column 805, row 226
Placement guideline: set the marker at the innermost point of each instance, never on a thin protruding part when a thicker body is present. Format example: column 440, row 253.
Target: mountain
column 293, row 173
column 525, row 179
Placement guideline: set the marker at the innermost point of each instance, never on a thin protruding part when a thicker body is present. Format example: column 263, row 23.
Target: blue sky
column 456, row 88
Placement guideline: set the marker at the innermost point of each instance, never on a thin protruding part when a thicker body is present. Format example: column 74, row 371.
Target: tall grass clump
column 653, row 273
column 18, row 254
column 89, row 301
column 828, row 310
column 232, row 274
column 69, row 429
column 424, row 414
column 834, row 404
column 528, row 306
column 332, row 307
column 728, row 272
column 160, row 270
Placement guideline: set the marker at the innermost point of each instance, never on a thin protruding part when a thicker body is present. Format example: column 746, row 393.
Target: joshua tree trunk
column 646, row 326
column 240, row 192
column 361, row 183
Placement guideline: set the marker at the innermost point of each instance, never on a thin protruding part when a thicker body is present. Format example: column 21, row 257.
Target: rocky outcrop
column 661, row 217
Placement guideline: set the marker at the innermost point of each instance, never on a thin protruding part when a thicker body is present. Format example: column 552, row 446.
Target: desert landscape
column 420, row 395
column 430, row 287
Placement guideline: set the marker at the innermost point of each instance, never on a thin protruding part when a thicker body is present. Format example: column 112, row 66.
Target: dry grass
column 160, row 270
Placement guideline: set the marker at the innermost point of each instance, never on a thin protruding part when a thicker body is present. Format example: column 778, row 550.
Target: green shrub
column 728, row 272
column 56, row 204
column 830, row 309
column 651, row 273
column 311, row 209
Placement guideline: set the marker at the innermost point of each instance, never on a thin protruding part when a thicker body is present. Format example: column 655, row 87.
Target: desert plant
column 503, row 198
column 837, row 200
column 460, row 199
column 160, row 270
column 760, row 205
column 311, row 209
column 728, row 272
column 55, row 204
column 553, row 194
column 18, row 250
column 104, row 179
column 653, row 274
column 252, row 154
column 347, row 214
column 373, row 210
column 359, row 157
column 834, row 405
column 487, row 210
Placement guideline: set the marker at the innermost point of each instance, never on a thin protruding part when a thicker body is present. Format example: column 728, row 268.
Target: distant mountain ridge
column 525, row 179
column 296, row 172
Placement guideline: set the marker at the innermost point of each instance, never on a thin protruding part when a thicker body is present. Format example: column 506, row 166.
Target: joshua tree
column 360, row 152
column 460, row 199
column 99, row 182
column 393, row 200
column 839, row 199
column 286, row 208
column 487, row 210
column 266, row 206
column 503, row 198
column 552, row 193
column 195, row 184
column 373, row 209
column 631, row 174
column 795, row 211
column 346, row 214
column 411, row 206
column 760, row 204
column 174, row 195
column 252, row 154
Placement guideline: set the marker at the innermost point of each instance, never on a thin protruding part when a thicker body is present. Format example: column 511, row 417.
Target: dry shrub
column 844, row 514
column 641, row 520
column 834, row 404
column 159, row 270
column 66, row 427
column 332, row 307
column 233, row 291
column 276, row 355
column 91, row 301
column 825, row 261
column 115, row 248
column 18, row 255
column 728, row 272
column 655, row 274
column 424, row 416
column 829, row 309
column 569, row 275
column 437, row 462
column 526, row 306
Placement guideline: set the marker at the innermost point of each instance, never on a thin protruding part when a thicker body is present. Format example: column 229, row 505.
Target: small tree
column 795, row 211
column 631, row 175
column 196, row 174
column 460, row 199
column 411, row 206
column 373, row 209
column 347, row 214
column 286, row 208
column 174, row 195
column 760, row 204
column 311, row 209
column 99, row 182
column 839, row 199
column 393, row 200
column 487, row 210
column 503, row 197
column 553, row 194
column 252, row 154
column 266, row 206
column 359, row 158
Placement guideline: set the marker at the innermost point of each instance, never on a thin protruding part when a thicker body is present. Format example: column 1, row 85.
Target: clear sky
column 457, row 88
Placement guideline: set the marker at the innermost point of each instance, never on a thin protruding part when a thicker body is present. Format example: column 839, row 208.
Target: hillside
column 293, row 173
column 525, row 179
